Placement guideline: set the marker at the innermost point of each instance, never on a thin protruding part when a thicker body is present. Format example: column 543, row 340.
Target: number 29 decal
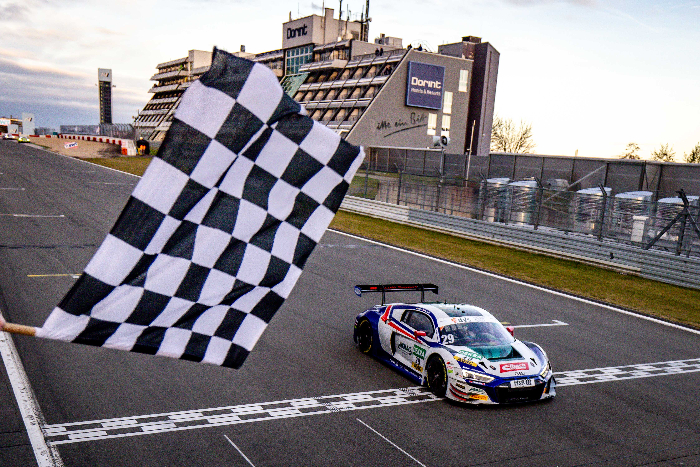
column 448, row 339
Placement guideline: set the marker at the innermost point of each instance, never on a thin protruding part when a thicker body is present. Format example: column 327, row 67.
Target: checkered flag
column 216, row 233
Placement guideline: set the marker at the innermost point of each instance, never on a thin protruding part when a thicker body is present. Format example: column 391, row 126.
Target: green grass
column 133, row 164
column 677, row 304
column 649, row 297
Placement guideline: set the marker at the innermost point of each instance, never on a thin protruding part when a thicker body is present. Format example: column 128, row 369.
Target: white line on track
column 7, row 188
column 49, row 216
column 554, row 322
column 525, row 284
column 388, row 441
column 239, row 451
column 46, row 455
column 68, row 433
column 619, row 373
column 93, row 430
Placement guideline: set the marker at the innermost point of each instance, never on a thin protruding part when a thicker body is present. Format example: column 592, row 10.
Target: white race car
column 460, row 351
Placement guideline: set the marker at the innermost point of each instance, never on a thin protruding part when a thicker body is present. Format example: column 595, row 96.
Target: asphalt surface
column 306, row 396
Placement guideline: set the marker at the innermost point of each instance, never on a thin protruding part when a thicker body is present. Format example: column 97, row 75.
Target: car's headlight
column 545, row 370
column 474, row 376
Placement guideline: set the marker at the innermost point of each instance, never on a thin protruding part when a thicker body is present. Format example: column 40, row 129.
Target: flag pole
column 17, row 328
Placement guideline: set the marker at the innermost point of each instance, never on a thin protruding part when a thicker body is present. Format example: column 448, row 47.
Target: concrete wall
column 388, row 121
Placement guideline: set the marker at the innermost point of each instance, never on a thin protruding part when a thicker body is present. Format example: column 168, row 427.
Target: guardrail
column 127, row 146
column 651, row 264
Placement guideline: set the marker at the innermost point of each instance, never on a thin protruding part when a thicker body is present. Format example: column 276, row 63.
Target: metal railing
column 594, row 213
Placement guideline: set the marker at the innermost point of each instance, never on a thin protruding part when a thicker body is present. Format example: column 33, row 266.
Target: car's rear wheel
column 364, row 337
column 436, row 376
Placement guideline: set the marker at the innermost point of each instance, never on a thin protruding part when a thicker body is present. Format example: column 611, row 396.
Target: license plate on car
column 522, row 383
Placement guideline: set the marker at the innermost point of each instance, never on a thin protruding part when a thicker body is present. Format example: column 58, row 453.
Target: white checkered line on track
column 221, row 416
column 68, row 433
column 619, row 373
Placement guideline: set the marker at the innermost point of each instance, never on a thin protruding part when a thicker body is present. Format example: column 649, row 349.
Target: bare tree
column 631, row 152
column 506, row 137
column 665, row 153
column 694, row 156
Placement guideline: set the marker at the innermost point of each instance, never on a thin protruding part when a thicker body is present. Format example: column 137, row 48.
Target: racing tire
column 365, row 337
column 436, row 376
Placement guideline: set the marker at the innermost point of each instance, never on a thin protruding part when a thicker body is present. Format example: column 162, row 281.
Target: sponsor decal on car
column 471, row 355
column 520, row 366
column 405, row 349
column 480, row 397
column 417, row 367
column 418, row 351
column 464, row 360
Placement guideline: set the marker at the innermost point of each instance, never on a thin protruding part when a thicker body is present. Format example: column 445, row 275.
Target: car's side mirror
column 511, row 330
column 417, row 334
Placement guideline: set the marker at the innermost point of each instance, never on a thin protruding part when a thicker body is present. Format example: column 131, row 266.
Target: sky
column 590, row 76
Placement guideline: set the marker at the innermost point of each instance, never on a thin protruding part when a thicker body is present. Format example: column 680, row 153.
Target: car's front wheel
column 364, row 337
column 437, row 376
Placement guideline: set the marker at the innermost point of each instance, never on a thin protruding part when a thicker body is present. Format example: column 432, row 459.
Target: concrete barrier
column 128, row 148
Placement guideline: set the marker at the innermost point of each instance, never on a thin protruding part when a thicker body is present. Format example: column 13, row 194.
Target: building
column 373, row 93
column 16, row 126
column 104, row 85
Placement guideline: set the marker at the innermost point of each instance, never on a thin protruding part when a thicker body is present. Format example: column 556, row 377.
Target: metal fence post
column 602, row 212
column 366, row 179
column 398, row 192
column 540, row 192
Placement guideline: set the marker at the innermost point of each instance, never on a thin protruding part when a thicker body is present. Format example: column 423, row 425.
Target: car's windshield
column 479, row 334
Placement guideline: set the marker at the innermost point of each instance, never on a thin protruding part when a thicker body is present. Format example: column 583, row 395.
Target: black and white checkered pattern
column 216, row 233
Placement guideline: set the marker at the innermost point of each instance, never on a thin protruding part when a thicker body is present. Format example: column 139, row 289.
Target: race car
column 23, row 139
column 459, row 351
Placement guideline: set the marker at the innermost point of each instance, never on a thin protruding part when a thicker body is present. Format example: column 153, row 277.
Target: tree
column 505, row 137
column 631, row 152
column 665, row 153
column 694, row 156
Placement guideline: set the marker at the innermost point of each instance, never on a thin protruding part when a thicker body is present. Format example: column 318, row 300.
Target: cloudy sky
column 589, row 75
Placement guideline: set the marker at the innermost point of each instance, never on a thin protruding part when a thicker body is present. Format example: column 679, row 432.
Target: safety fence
column 633, row 218
column 652, row 264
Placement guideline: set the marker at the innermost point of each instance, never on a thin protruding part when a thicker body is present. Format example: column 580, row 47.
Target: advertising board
column 424, row 85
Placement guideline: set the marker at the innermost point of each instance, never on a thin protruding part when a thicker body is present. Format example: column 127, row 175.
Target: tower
column 104, row 84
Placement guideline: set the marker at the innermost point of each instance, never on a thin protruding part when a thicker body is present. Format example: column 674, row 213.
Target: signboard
column 424, row 85
column 297, row 32
column 70, row 145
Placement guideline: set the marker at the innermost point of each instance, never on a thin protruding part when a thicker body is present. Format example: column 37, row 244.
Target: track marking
column 389, row 441
column 111, row 183
column 74, row 276
column 554, row 322
column 93, row 430
column 619, row 373
column 46, row 455
column 10, row 189
column 34, row 215
column 239, row 451
column 525, row 284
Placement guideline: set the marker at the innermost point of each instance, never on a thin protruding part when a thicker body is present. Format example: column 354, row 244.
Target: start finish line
column 94, row 430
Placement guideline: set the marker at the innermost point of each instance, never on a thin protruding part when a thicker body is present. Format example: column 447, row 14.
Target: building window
column 295, row 58
column 463, row 80
column 447, row 105
column 446, row 121
column 432, row 124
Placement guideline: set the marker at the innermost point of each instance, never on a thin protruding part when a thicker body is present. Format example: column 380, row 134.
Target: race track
column 627, row 396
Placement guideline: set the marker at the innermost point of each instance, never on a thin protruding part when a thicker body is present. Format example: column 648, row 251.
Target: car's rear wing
column 384, row 288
